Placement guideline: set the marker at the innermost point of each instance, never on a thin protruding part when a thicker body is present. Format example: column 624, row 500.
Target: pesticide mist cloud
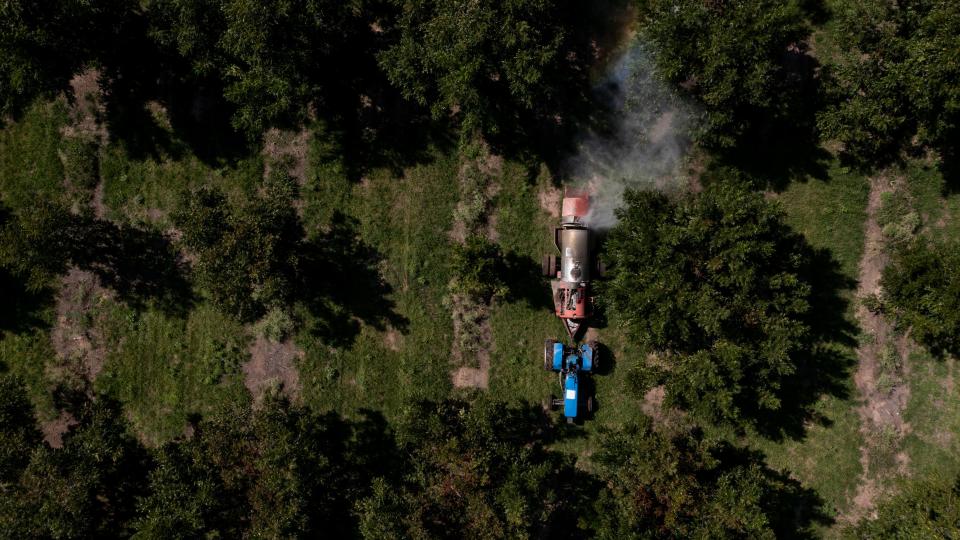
column 642, row 143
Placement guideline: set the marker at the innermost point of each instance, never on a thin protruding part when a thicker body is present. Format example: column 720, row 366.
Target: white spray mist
column 644, row 141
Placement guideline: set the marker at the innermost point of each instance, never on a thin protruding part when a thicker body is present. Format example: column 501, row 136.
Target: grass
column 830, row 213
column 30, row 165
column 147, row 190
column 406, row 221
column 164, row 369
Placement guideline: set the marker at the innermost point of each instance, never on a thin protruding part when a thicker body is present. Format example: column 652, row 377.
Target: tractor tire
column 590, row 404
column 548, row 354
column 548, row 266
column 595, row 347
column 550, row 401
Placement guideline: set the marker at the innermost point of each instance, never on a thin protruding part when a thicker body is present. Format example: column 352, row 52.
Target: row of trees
column 447, row 469
column 500, row 68
column 517, row 69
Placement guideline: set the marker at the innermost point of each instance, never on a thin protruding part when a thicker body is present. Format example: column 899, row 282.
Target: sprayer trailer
column 574, row 265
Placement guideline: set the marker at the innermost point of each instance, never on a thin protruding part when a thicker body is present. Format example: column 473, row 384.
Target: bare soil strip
column 273, row 366
column 472, row 333
column 884, row 394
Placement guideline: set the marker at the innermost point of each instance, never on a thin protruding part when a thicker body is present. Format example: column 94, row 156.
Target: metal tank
column 574, row 246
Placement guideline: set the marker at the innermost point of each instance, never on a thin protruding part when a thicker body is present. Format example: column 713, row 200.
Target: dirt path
column 472, row 334
column 273, row 365
column 880, row 373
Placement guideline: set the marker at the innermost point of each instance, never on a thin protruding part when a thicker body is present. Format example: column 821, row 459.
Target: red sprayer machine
column 574, row 267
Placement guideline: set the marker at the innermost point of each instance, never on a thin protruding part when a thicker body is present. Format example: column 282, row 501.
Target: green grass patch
column 406, row 220
column 933, row 412
column 30, row 165
column 165, row 368
column 830, row 213
column 150, row 189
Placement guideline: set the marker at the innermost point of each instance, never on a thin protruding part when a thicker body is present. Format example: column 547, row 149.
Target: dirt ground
column 273, row 365
column 74, row 335
column 882, row 408
column 279, row 145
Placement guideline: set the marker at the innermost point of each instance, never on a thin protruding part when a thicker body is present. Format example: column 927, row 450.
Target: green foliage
column 279, row 471
column 896, row 78
column 276, row 325
column 87, row 488
column 925, row 509
column 474, row 469
column 733, row 57
column 38, row 54
column 898, row 219
column 478, row 269
column 684, row 485
column 922, row 284
column 80, row 162
column 273, row 58
column 245, row 254
column 38, row 242
column 18, row 429
column 716, row 282
column 492, row 62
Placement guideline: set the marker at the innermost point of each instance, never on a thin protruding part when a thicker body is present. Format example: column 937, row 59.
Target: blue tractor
column 570, row 363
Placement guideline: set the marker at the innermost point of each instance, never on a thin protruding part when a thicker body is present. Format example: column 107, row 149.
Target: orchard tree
column 87, row 488
column 37, row 242
column 714, row 283
column 735, row 57
column 896, row 80
column 245, row 254
column 473, row 470
column 277, row 471
column 494, row 63
column 922, row 285
column 274, row 58
column 685, row 485
column 19, row 435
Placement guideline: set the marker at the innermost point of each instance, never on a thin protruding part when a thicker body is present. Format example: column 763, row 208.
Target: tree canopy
column 896, row 78
column 735, row 58
column 713, row 282
column 922, row 285
column 475, row 470
column 686, row 485
column 493, row 63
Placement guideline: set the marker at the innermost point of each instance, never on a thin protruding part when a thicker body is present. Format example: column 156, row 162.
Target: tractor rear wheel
column 548, row 354
column 595, row 347
column 548, row 265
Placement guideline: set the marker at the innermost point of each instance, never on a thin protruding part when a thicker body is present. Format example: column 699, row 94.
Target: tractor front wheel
column 548, row 354
column 549, row 265
column 550, row 403
column 590, row 404
column 595, row 347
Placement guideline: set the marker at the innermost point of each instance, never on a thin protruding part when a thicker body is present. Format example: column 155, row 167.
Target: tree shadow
column 22, row 309
column 522, row 276
column 341, row 284
column 793, row 509
column 141, row 266
column 823, row 361
column 786, row 148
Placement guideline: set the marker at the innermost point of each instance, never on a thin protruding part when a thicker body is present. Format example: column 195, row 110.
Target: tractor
column 570, row 362
column 573, row 269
